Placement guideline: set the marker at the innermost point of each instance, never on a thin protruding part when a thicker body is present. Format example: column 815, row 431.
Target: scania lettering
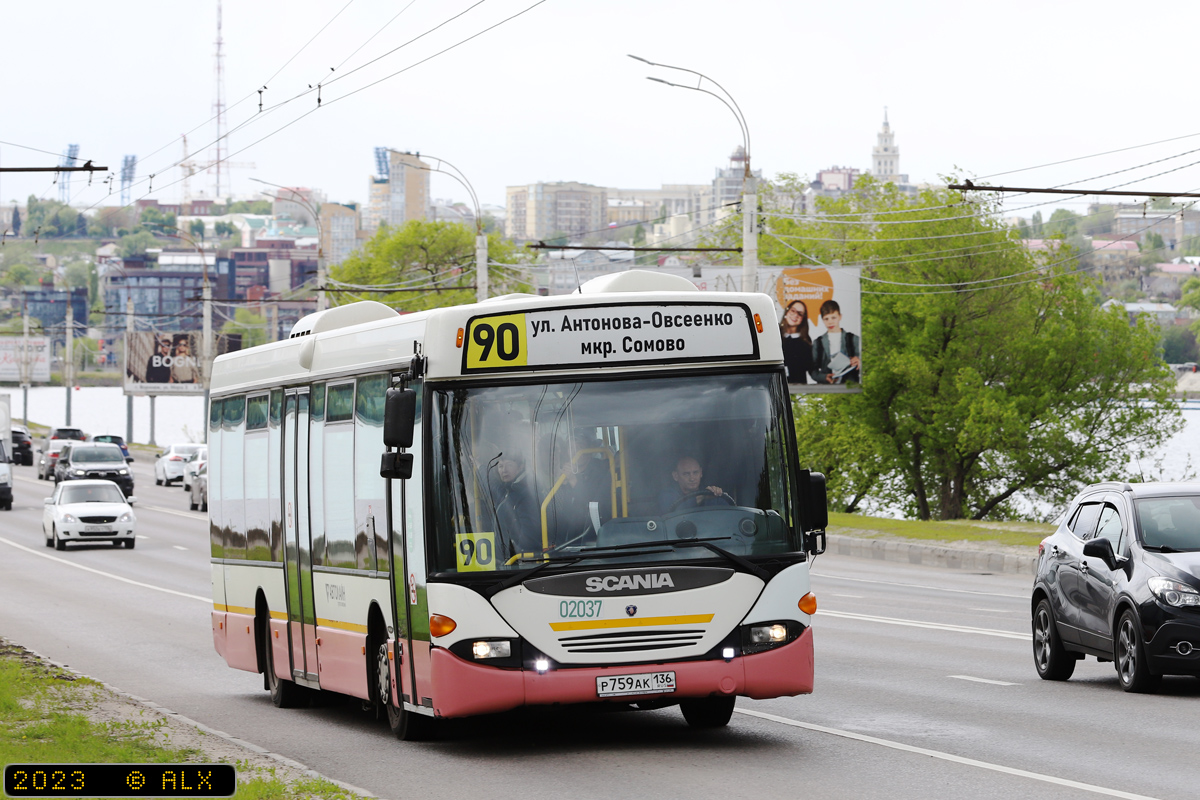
column 471, row 509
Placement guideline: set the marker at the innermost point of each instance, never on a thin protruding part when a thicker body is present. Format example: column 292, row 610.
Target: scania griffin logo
column 631, row 610
column 616, row 583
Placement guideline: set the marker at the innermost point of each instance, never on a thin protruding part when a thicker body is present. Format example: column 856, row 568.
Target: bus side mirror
column 399, row 417
column 815, row 513
column 396, row 466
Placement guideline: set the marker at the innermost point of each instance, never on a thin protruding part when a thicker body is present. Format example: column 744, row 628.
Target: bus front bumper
column 462, row 689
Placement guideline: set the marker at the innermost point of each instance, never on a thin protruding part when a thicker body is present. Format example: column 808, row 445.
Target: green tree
column 248, row 207
column 433, row 263
column 224, row 229
column 154, row 220
column 1179, row 345
column 135, row 244
column 77, row 274
column 990, row 374
column 1153, row 248
column 16, row 221
column 47, row 218
column 250, row 326
column 19, row 275
column 196, row 229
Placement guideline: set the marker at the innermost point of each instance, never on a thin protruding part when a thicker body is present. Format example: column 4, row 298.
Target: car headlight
column 1174, row 593
column 81, row 472
column 122, row 472
column 126, row 517
column 69, row 518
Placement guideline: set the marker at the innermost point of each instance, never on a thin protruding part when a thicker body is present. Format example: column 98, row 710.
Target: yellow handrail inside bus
column 612, row 470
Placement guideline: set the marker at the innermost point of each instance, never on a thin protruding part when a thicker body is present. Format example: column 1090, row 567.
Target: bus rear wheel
column 404, row 724
column 708, row 712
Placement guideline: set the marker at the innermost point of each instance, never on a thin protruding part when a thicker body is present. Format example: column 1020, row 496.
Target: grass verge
column 1008, row 534
column 51, row 715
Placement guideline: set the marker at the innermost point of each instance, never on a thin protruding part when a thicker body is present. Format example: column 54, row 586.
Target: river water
column 101, row 409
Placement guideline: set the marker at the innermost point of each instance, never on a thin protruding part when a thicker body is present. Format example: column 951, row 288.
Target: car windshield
column 91, row 494
column 68, row 433
column 1170, row 523
column 96, row 455
column 573, row 470
column 109, row 439
column 185, row 449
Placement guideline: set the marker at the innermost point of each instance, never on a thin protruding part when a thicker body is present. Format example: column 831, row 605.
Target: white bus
column 531, row 500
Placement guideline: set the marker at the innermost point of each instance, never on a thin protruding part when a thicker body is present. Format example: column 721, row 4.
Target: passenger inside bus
column 688, row 492
column 516, row 510
column 586, row 488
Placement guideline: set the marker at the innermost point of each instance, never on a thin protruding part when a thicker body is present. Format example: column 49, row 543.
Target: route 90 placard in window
column 614, row 335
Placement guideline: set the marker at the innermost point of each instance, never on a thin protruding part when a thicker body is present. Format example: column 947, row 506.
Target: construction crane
column 188, row 167
column 64, row 178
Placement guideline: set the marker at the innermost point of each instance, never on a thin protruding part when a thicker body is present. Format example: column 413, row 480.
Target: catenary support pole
column 128, row 342
column 69, row 360
column 749, row 234
column 481, row 267
column 152, row 442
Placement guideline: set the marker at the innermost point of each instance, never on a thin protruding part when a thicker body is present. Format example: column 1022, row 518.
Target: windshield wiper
column 742, row 564
column 524, row 575
column 1166, row 548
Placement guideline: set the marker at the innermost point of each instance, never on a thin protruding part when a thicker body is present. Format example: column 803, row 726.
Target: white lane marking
column 993, row 610
column 982, row 680
column 31, row 551
column 179, row 547
column 970, row 762
column 935, row 626
column 917, row 586
column 855, row 596
column 175, row 512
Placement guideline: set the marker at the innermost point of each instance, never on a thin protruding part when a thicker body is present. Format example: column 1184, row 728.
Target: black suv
column 1119, row 581
column 22, row 447
column 87, row 460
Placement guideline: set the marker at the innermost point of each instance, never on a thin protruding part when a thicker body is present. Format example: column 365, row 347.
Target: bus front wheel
column 405, row 725
column 708, row 712
column 284, row 693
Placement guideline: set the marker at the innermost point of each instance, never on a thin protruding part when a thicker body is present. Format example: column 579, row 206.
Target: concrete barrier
column 931, row 555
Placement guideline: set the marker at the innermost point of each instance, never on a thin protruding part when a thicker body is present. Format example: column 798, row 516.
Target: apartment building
column 544, row 210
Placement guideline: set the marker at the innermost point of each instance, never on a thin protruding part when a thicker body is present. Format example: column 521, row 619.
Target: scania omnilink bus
column 530, row 500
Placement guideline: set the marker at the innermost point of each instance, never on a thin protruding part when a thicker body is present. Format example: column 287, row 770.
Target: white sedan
column 168, row 468
column 193, row 464
column 88, row 511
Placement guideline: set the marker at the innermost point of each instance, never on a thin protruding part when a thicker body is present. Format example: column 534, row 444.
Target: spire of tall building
column 885, row 156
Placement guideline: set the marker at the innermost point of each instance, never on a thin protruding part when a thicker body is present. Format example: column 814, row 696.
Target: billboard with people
column 165, row 362
column 819, row 313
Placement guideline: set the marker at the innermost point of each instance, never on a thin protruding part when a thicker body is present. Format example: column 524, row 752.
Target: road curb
column 254, row 748
column 932, row 555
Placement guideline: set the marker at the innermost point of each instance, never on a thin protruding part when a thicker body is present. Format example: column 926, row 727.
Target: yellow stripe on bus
column 345, row 626
column 593, row 624
column 247, row 611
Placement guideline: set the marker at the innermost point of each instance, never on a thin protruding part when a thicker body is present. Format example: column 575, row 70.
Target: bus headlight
column 491, row 649
column 768, row 634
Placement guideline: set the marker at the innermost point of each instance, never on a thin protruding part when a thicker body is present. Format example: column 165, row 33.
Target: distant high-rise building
column 885, row 156
column 400, row 195
column 339, row 232
column 545, row 210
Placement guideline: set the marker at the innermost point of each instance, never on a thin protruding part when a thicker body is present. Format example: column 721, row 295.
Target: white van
column 6, row 478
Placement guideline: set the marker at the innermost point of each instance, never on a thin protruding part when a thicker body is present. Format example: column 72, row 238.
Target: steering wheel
column 689, row 495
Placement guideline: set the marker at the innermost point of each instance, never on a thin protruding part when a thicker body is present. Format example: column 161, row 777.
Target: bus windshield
column 610, row 471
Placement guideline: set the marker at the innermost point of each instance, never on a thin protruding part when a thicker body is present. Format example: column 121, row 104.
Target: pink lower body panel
column 240, row 650
column 218, row 628
column 343, row 661
column 461, row 688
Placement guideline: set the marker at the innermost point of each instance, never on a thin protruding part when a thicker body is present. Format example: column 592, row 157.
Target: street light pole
column 481, row 240
column 322, row 295
column 749, row 188
column 69, row 361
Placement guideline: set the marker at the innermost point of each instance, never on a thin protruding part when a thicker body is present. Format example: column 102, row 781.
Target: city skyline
column 537, row 100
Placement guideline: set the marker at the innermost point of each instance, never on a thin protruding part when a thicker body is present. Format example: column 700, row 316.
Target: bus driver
column 688, row 476
column 516, row 508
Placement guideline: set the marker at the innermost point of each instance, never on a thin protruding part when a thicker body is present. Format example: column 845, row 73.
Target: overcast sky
column 550, row 95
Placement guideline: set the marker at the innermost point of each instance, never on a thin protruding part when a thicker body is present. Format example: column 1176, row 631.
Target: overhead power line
column 968, row 186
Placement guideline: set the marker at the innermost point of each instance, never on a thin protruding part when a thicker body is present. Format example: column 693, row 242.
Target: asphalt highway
column 925, row 688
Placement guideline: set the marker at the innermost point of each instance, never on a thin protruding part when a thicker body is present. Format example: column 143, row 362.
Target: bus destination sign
column 612, row 335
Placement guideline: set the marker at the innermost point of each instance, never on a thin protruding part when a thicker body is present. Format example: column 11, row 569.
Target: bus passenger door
column 302, row 645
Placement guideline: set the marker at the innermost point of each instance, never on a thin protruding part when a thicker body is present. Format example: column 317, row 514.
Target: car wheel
column 1052, row 660
column 708, row 712
column 59, row 544
column 192, row 504
column 1133, row 668
column 284, row 694
column 131, row 542
column 49, row 540
column 404, row 724
column 204, row 503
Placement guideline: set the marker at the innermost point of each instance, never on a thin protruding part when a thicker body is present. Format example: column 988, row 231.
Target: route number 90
column 496, row 342
column 475, row 552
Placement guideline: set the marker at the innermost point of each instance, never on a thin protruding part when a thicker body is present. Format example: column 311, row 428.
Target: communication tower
column 128, row 168
column 219, row 167
column 64, row 178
